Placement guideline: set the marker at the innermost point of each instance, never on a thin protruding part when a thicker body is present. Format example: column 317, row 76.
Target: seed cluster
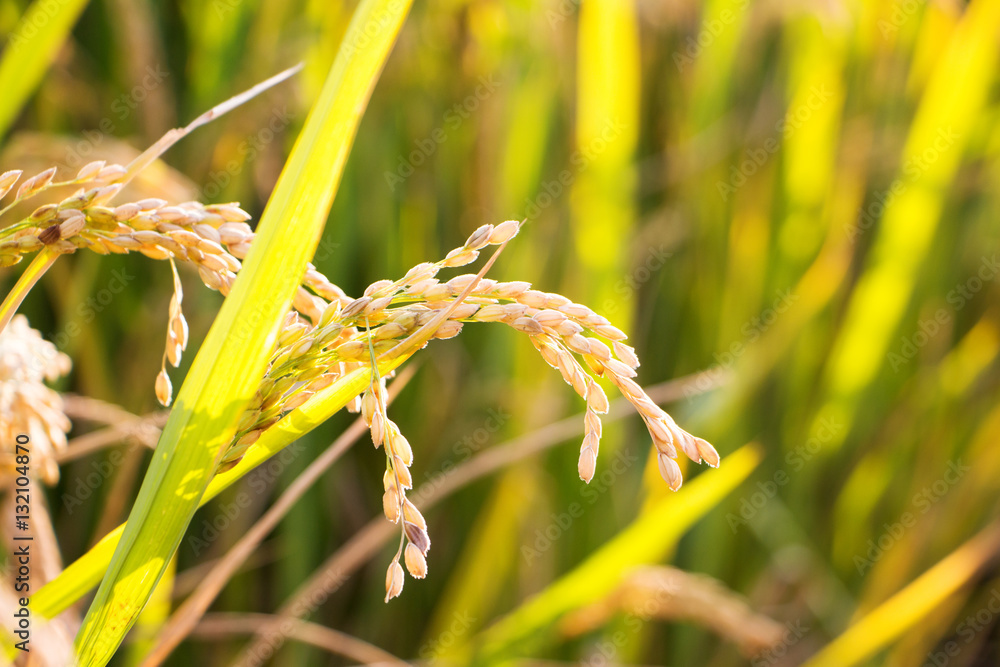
column 213, row 238
column 350, row 333
column 327, row 334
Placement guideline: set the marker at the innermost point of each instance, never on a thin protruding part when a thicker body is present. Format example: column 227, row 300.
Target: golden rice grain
column 393, row 580
column 416, row 564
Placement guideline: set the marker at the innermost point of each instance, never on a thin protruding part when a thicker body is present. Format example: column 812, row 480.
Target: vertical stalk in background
column 702, row 142
column 607, row 130
column 603, row 195
column 603, row 203
column 30, row 50
column 942, row 128
column 217, row 31
column 810, row 136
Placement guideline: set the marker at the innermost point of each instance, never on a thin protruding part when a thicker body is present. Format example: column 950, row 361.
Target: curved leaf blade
column 30, row 50
column 646, row 540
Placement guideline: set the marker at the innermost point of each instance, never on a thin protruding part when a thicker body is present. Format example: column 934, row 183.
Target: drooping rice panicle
column 321, row 339
column 327, row 334
column 342, row 334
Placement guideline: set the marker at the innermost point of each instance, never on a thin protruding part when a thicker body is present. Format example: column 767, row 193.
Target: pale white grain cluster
column 27, row 405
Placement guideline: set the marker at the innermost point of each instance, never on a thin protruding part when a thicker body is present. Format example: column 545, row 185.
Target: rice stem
column 35, row 270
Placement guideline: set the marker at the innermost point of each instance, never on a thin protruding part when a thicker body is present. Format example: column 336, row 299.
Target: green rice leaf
column 30, row 50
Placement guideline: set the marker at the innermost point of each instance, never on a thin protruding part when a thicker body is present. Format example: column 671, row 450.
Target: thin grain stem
column 35, row 270
column 339, row 643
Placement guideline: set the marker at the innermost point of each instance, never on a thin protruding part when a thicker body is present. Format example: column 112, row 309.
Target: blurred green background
column 795, row 198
